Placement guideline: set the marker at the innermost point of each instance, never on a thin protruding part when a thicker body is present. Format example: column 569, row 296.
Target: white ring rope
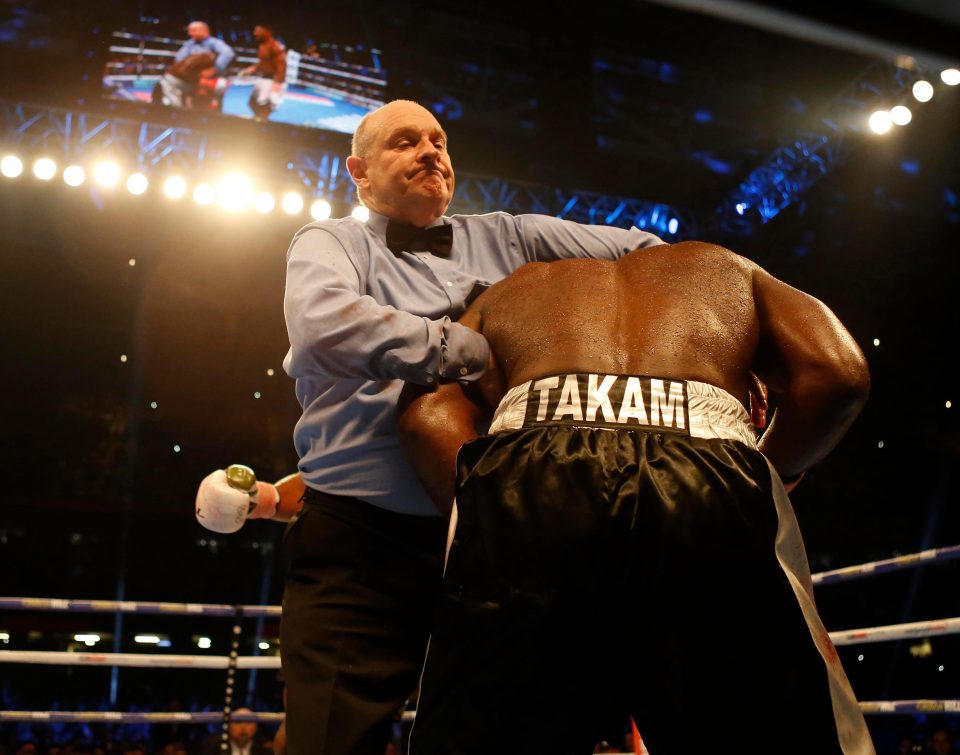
column 912, row 630
column 877, row 707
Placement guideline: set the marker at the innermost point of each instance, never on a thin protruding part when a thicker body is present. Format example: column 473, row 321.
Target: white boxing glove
column 228, row 497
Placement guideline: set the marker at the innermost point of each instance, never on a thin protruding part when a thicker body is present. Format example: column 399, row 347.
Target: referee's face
column 408, row 171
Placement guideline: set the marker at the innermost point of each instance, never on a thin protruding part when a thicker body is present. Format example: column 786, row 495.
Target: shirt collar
column 378, row 224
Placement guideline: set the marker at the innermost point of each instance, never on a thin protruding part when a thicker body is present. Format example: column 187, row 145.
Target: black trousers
column 596, row 575
column 360, row 594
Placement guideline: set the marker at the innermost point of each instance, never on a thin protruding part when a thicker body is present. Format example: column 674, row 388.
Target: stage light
column 320, row 210
column 880, row 122
column 235, row 192
column 87, row 639
column 876, row 341
column 204, row 643
column 204, row 194
column 174, row 187
column 5, row 637
column 176, row 448
column 361, row 213
column 256, row 394
column 73, row 175
column 147, row 639
column 673, row 225
column 44, row 168
column 741, row 207
column 123, row 358
column 264, row 646
column 901, row 115
column 137, row 183
column 153, row 404
column 292, row 203
column 132, row 262
column 950, row 77
column 270, row 372
column 923, row 91
column 264, row 202
column 106, row 173
column 11, row 166
column 948, row 404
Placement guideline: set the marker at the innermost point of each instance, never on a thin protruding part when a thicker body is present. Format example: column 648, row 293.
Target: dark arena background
column 142, row 275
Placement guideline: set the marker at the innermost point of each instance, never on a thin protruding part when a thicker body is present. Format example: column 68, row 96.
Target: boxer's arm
column 433, row 423
column 337, row 332
column 279, row 65
column 545, row 239
column 813, row 365
column 291, row 489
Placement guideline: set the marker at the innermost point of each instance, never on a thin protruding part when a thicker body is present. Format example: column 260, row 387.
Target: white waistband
column 710, row 412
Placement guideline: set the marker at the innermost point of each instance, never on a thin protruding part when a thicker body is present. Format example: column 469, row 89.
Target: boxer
column 270, row 71
column 623, row 545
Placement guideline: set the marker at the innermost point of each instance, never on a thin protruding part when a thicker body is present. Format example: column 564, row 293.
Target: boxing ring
column 233, row 662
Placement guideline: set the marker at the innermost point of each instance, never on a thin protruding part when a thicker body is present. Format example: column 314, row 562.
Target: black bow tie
column 402, row 237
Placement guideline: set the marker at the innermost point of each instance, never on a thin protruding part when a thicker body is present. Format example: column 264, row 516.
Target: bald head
column 198, row 30
column 400, row 163
column 373, row 122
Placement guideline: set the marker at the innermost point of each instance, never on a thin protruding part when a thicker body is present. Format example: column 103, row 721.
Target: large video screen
column 322, row 86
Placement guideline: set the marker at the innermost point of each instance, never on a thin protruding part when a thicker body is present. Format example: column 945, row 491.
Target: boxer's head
column 400, row 163
column 198, row 31
column 262, row 32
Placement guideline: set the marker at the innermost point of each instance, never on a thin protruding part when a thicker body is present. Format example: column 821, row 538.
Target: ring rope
column 869, row 708
column 913, row 630
column 932, row 555
column 886, row 565
column 130, row 606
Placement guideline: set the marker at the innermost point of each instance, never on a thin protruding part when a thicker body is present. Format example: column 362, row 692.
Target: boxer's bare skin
column 690, row 311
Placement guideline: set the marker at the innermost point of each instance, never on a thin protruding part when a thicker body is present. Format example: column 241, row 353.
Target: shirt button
column 450, row 283
column 463, row 370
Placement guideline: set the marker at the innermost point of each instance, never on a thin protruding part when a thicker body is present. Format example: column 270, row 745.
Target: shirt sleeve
column 181, row 53
column 224, row 53
column 545, row 238
column 336, row 331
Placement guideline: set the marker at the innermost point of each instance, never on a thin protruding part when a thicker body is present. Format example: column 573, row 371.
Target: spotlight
column 264, row 645
column 174, row 187
column 204, row 643
column 292, row 203
column 106, row 173
column 87, row 639
column 361, row 213
column 950, row 77
column 741, row 207
column 204, row 194
column 235, row 192
column 923, row 91
column 673, row 225
column 11, row 166
column 137, row 183
column 901, row 115
column 320, row 210
column 880, row 122
column 264, row 202
column 73, row 175
column 147, row 639
column 44, row 169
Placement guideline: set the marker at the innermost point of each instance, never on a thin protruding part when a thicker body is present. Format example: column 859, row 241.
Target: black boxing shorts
column 623, row 549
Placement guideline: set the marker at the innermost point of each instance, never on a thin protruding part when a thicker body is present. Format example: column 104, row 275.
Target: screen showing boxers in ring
column 325, row 86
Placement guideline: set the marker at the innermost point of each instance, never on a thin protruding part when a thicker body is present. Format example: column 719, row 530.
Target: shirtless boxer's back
column 623, row 546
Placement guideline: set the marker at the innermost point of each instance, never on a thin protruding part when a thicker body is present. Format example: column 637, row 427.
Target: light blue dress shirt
column 218, row 47
column 362, row 320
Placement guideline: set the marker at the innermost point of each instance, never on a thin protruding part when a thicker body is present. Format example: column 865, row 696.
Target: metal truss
column 789, row 172
column 478, row 194
column 77, row 134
